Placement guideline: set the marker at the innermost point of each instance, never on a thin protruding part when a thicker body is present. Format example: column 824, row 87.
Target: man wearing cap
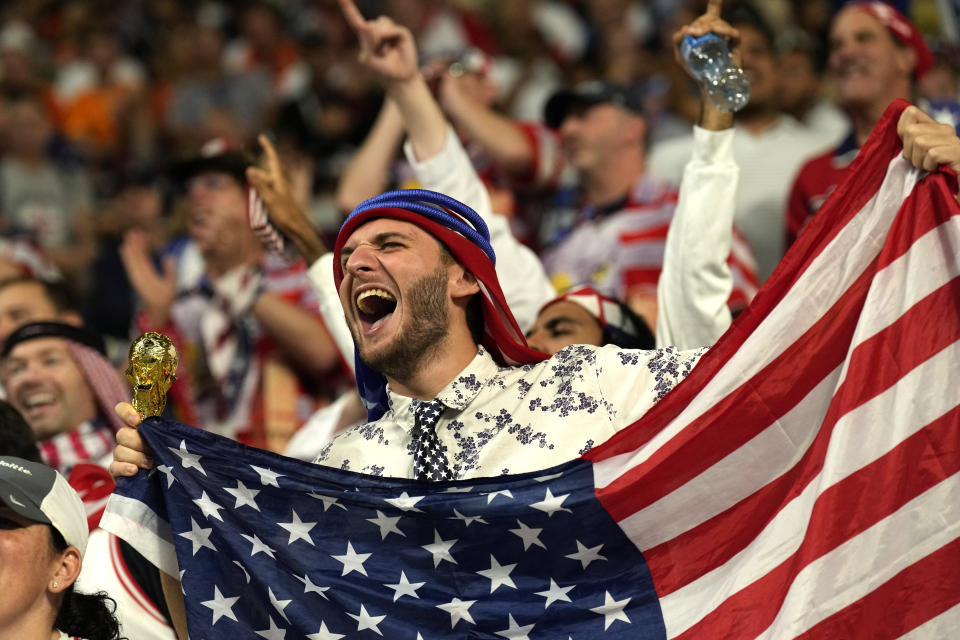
column 260, row 353
column 876, row 56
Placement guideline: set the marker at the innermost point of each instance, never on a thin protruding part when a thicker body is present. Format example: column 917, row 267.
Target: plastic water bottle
column 708, row 58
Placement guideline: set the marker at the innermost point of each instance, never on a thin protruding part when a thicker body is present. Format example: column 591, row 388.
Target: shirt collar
column 457, row 395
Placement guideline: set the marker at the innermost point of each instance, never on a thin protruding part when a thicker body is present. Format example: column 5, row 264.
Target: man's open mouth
column 374, row 305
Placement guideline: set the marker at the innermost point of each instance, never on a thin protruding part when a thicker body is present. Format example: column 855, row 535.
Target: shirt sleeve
column 320, row 275
column 631, row 381
column 696, row 281
column 522, row 277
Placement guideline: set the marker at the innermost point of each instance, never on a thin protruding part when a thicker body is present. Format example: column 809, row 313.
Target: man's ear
column 463, row 283
column 634, row 130
column 907, row 60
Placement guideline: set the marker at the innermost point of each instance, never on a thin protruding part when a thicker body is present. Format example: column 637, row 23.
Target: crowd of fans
column 127, row 204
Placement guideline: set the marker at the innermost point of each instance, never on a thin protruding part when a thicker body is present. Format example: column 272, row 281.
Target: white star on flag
column 405, row 502
column 440, row 549
column 187, row 459
column 366, row 621
column 529, row 535
column 467, row 520
column 208, row 507
column 352, row 561
column 328, row 501
column 458, row 610
column 404, row 587
column 243, row 495
column 279, row 605
column 498, row 574
column 555, row 593
column 515, row 631
column 309, row 587
column 585, row 555
column 267, row 477
column 324, row 634
column 612, row 610
column 220, row 606
column 299, row 530
column 551, row 504
column 503, row 492
column 387, row 524
column 274, row 632
column 199, row 536
column 258, row 545
column 167, row 471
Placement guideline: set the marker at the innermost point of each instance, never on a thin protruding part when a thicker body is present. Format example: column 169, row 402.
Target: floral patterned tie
column 429, row 461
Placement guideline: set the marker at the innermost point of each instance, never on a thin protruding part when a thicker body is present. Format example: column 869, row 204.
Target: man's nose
column 362, row 259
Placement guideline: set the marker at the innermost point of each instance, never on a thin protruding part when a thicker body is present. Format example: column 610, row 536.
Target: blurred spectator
column 769, row 145
column 40, row 198
column 255, row 354
column 940, row 83
column 876, row 56
column 25, row 299
column 99, row 93
column 801, row 92
column 139, row 204
column 16, row 436
column 19, row 73
column 57, row 376
column 209, row 100
column 264, row 46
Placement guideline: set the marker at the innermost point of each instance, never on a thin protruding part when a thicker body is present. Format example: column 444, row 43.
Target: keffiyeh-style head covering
column 466, row 236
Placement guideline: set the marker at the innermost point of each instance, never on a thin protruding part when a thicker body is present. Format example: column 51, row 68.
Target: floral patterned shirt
column 501, row 420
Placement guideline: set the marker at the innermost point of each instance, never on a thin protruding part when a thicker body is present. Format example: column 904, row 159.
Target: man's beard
column 425, row 324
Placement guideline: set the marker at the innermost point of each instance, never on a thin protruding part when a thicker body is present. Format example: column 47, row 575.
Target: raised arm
column 368, row 171
column 499, row 136
column 696, row 281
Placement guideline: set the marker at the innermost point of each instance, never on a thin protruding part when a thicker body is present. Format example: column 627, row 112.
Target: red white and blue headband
column 465, row 234
column 608, row 312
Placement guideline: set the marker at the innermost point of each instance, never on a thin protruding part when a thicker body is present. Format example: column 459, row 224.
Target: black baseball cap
column 588, row 94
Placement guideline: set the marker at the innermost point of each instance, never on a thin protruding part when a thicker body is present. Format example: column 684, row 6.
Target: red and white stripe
column 803, row 481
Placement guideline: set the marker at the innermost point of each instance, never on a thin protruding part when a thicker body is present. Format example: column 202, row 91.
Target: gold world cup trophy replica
column 152, row 369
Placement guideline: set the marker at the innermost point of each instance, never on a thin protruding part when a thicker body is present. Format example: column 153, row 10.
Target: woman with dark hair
column 584, row 316
column 43, row 535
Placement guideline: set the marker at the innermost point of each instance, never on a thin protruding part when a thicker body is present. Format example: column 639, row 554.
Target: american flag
column 800, row 483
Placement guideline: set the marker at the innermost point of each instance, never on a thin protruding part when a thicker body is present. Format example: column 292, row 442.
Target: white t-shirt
column 768, row 165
